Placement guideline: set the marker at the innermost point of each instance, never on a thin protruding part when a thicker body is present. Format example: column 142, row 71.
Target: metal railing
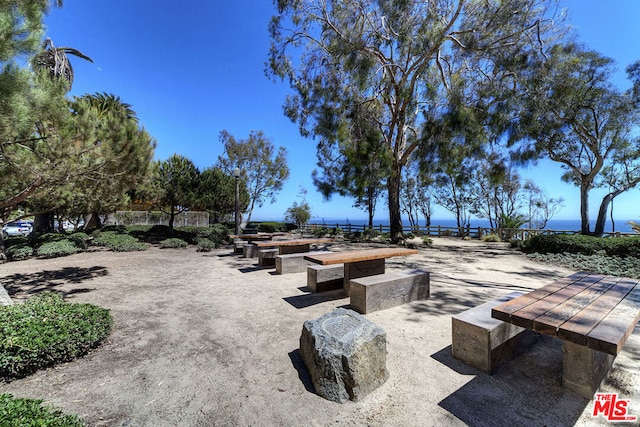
column 449, row 231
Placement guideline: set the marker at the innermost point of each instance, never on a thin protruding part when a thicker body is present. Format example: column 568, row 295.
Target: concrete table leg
column 354, row 270
column 583, row 369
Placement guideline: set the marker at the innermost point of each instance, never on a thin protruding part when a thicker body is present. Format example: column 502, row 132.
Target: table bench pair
column 363, row 277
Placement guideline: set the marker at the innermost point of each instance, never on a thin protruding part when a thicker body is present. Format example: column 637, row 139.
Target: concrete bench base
column 583, row 368
column 294, row 263
column 388, row 290
column 321, row 278
column 484, row 342
column 238, row 246
column 250, row 250
column 267, row 256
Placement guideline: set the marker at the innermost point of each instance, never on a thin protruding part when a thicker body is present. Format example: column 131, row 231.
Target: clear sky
column 192, row 69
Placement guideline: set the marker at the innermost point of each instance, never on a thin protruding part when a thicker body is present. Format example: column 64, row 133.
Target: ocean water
column 621, row 226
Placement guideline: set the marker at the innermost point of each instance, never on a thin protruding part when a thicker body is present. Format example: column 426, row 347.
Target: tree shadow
column 525, row 391
column 18, row 285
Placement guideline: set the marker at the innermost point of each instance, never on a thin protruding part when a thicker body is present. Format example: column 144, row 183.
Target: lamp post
column 236, row 174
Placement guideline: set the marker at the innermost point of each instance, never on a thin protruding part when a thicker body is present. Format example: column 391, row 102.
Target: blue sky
column 192, row 69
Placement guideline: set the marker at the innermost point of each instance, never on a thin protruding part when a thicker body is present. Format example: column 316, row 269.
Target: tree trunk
column 584, row 208
column 395, row 220
column 370, row 205
column 172, row 217
column 43, row 223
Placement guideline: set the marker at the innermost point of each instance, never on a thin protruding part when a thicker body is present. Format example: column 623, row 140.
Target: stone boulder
column 345, row 354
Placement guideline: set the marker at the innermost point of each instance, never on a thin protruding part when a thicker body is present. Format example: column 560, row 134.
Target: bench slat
column 613, row 331
column 577, row 328
column 505, row 310
column 360, row 255
column 551, row 321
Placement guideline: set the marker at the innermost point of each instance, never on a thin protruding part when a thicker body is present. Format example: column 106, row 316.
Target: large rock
column 5, row 299
column 345, row 354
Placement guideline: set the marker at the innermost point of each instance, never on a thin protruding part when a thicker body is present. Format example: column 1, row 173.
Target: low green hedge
column 57, row 249
column 45, row 331
column 173, row 243
column 586, row 245
column 20, row 412
column 117, row 241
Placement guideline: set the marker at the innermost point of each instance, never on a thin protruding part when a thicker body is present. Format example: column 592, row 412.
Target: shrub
column 117, row 242
column 173, row 243
column 586, row 245
column 57, row 249
column 610, row 265
column 428, row 241
column 45, row 331
column 491, row 238
column 18, row 252
column 80, row 239
column 206, row 245
column 15, row 241
column 20, row 412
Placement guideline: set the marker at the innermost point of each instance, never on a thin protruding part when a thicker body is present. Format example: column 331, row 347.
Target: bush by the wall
column 21, row 412
column 173, row 243
column 45, row 331
column 206, row 245
column 57, row 249
column 18, row 252
column 116, row 241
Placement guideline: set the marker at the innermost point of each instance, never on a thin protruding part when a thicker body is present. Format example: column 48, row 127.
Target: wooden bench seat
column 484, row 342
column 382, row 291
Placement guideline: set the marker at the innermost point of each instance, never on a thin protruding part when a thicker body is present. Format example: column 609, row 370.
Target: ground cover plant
column 20, row 412
column 45, row 331
column 618, row 256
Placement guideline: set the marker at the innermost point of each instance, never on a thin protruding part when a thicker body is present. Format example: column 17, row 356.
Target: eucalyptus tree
column 262, row 169
column 398, row 56
column 351, row 161
column 574, row 115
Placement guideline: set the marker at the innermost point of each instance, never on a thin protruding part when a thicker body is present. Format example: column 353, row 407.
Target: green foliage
column 491, row 238
column 262, row 169
column 45, row 331
column 57, row 249
column 218, row 193
column 21, row 412
column 601, row 264
column 206, row 245
column 427, row 241
column 299, row 214
column 173, row 243
column 19, row 251
column 116, row 241
column 80, row 239
column 581, row 244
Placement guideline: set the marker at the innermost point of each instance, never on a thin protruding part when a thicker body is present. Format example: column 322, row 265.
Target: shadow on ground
column 17, row 285
column 525, row 391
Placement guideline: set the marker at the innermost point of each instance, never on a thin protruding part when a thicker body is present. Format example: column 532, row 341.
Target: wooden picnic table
column 292, row 246
column 593, row 315
column 257, row 236
column 360, row 263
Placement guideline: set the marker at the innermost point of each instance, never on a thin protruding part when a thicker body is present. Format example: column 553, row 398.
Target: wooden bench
column 321, row 278
column 484, row 342
column 360, row 263
column 592, row 314
column 293, row 246
column 382, row 291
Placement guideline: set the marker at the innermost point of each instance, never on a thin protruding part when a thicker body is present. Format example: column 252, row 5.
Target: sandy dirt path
column 207, row 339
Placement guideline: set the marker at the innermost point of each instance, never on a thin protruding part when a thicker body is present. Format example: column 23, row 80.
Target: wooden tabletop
column 359, row 255
column 593, row 310
column 257, row 236
column 293, row 242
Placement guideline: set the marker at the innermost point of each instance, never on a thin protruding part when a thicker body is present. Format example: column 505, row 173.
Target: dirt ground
column 207, row 339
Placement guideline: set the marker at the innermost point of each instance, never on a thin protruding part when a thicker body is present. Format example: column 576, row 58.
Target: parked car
column 16, row 228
